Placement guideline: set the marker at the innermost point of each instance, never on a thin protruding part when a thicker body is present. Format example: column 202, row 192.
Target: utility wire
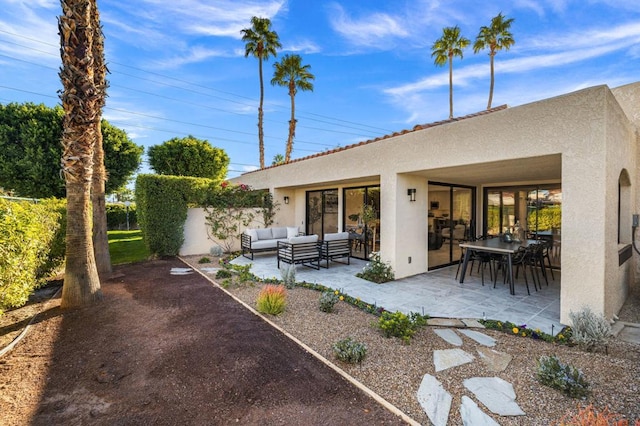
column 300, row 112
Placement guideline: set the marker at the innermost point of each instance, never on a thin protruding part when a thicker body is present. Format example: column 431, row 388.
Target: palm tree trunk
column 81, row 281
column 98, row 202
column 260, row 116
column 292, row 126
column 450, row 87
column 491, row 85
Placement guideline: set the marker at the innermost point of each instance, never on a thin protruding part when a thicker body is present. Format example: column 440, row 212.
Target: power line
column 171, row 120
column 300, row 112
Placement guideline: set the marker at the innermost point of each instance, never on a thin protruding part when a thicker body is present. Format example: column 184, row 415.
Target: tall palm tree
column 496, row 37
column 98, row 202
column 261, row 43
column 292, row 74
column 79, row 97
column 444, row 49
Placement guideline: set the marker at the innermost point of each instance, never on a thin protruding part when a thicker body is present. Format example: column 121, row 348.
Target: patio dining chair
column 521, row 258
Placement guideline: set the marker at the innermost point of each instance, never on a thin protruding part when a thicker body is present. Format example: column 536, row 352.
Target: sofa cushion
column 336, row 236
column 280, row 232
column 264, row 234
column 292, row 231
column 264, row 244
column 304, row 239
column 252, row 233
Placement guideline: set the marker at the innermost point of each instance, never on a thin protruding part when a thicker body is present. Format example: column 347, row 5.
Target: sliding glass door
column 362, row 219
column 322, row 212
column 536, row 210
column 451, row 219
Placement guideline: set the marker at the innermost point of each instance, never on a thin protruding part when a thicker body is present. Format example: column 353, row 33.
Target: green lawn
column 126, row 247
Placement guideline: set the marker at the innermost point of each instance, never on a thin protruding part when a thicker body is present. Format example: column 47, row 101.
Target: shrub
column 288, row 274
column 272, row 299
column 328, row 300
column 223, row 273
column 589, row 416
column 217, row 251
column 589, row 329
column 376, row 270
column 350, row 351
column 31, row 246
column 400, row 325
column 204, row 260
column 566, row 378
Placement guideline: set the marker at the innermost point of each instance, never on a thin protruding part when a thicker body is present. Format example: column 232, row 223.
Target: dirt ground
column 169, row 349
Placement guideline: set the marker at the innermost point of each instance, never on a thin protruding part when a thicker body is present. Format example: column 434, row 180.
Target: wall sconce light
column 411, row 192
column 286, row 200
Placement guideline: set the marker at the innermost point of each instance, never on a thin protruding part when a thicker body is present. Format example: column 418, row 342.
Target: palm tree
column 100, row 237
column 79, row 97
column 261, row 43
column 496, row 37
column 444, row 49
column 277, row 159
column 292, row 74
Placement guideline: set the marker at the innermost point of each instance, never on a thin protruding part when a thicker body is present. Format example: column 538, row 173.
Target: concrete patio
column 436, row 293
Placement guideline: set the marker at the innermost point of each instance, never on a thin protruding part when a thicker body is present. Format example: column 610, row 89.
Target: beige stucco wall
column 196, row 237
column 586, row 129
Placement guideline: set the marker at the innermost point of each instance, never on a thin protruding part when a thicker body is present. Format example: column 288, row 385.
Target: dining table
column 494, row 245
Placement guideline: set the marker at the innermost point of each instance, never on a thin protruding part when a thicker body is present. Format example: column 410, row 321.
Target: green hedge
column 31, row 246
column 117, row 216
column 162, row 203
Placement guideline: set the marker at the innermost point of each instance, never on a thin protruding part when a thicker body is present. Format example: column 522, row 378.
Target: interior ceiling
column 533, row 169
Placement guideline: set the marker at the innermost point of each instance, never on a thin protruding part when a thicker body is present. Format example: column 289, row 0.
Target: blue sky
column 178, row 67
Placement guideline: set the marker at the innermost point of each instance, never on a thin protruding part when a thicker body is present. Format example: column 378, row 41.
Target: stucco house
column 567, row 166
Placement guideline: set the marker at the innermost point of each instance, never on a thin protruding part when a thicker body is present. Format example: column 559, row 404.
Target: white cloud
column 31, row 30
column 194, row 54
column 377, row 30
column 304, row 46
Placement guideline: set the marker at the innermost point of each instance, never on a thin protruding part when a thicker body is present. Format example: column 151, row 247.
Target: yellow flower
column 560, row 336
column 499, row 324
column 524, row 334
column 538, row 331
column 336, row 292
column 357, row 299
column 515, row 330
column 341, row 297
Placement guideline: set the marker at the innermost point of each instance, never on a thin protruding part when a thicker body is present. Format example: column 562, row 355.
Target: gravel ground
column 394, row 370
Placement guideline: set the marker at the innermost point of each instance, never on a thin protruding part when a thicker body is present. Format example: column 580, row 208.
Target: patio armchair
column 335, row 246
column 302, row 250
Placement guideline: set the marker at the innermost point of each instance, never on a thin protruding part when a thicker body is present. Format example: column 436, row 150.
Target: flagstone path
column 495, row 394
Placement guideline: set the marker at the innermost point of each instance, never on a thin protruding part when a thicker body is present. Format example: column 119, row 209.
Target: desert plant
column 400, row 325
column 223, row 273
column 288, row 274
column 328, row 300
column 272, row 299
column 589, row 329
column 204, row 259
column 564, row 377
column 216, row 251
column 589, row 416
column 349, row 350
column 376, row 270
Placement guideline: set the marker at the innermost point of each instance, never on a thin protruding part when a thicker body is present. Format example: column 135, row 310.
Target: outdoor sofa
column 266, row 239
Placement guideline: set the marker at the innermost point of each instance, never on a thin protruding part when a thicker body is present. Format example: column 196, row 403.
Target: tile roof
column 392, row 135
